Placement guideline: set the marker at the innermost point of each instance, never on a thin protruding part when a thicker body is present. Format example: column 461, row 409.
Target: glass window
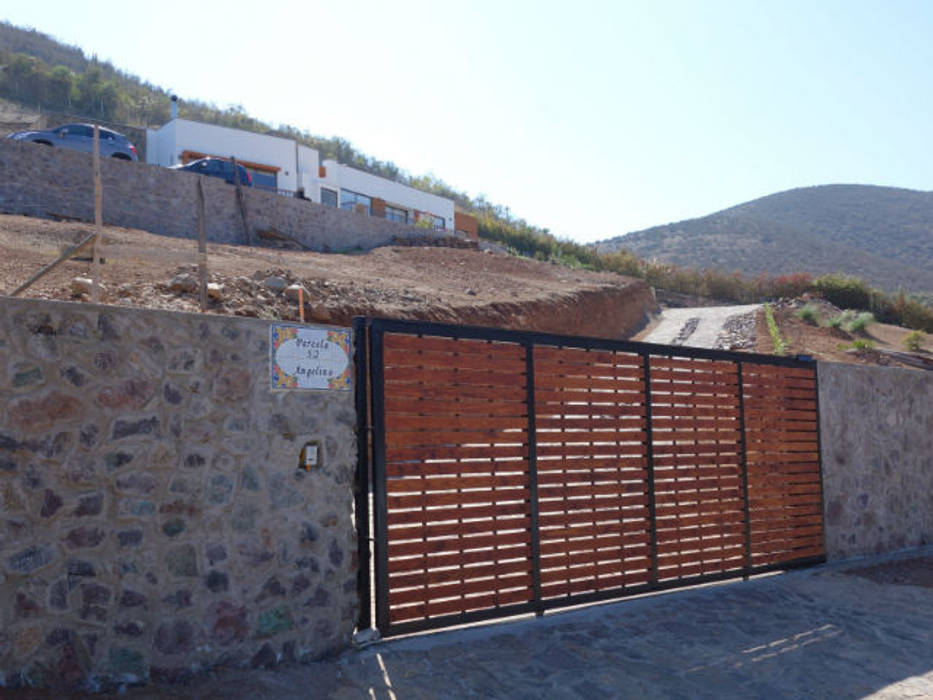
column 263, row 179
column 439, row 223
column 349, row 200
column 328, row 197
column 396, row 214
column 80, row 130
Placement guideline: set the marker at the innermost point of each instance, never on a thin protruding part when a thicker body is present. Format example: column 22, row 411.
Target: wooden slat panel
column 585, row 357
column 500, row 350
column 448, row 559
column 460, row 573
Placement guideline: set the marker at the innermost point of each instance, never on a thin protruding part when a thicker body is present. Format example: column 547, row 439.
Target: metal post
column 819, row 452
column 649, row 455
column 743, row 465
column 362, row 475
column 533, row 478
column 380, row 525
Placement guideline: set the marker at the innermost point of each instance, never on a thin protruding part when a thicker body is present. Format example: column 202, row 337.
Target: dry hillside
column 881, row 234
column 441, row 284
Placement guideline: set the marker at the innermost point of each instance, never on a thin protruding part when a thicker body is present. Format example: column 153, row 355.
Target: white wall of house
column 298, row 165
column 308, row 162
column 184, row 135
column 343, row 177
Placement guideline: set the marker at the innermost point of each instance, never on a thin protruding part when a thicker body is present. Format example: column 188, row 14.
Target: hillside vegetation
column 882, row 234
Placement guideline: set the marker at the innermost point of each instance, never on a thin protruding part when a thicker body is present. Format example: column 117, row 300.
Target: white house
column 286, row 166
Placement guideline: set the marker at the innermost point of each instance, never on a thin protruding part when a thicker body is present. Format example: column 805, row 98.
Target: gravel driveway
column 700, row 327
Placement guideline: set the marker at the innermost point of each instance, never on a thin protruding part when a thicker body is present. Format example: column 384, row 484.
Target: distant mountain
column 882, row 234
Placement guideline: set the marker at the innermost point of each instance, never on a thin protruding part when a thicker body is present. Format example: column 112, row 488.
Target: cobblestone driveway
column 816, row 633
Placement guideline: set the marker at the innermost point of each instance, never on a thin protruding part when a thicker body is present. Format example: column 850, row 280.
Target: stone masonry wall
column 876, row 431
column 54, row 182
column 153, row 519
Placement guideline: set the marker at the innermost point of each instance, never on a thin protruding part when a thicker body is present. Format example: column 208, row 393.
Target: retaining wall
column 54, row 183
column 876, row 429
column 153, row 518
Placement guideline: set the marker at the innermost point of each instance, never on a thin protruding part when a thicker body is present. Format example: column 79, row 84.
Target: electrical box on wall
column 310, row 457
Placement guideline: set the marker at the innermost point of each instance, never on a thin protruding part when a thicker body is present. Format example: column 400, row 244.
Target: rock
column 92, row 504
column 174, row 637
column 215, row 291
column 217, row 582
column 81, row 285
column 81, row 537
column 274, row 621
column 275, row 284
column 130, row 538
column 182, row 560
column 231, row 625
column 132, row 599
column 184, row 283
column 51, row 502
column 28, row 560
column 264, row 658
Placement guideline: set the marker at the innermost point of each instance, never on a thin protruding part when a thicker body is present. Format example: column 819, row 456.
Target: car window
column 80, row 130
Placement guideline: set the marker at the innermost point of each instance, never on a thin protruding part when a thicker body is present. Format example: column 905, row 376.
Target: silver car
column 80, row 137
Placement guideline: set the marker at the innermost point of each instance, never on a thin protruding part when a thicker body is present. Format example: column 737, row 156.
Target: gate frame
column 371, row 458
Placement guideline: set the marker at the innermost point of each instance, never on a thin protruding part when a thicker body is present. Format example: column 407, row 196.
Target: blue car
column 80, row 137
column 217, row 167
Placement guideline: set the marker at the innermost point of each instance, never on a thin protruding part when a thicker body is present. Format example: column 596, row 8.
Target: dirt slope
column 443, row 284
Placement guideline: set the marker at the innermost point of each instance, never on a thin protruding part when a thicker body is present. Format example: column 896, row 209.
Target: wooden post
column 301, row 303
column 241, row 201
column 202, row 247
column 51, row 266
column 98, row 220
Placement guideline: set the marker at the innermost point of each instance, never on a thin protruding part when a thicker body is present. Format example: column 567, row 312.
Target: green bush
column 914, row 340
column 844, row 291
column 840, row 320
column 780, row 345
column 862, row 344
column 859, row 323
column 809, row 313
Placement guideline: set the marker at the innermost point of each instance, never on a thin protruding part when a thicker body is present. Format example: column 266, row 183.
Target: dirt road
column 699, row 327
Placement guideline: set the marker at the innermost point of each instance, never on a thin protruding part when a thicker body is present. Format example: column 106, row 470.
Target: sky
column 591, row 119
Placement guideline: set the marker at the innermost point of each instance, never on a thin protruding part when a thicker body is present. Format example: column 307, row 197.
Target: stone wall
column 876, row 430
column 53, row 183
column 153, row 518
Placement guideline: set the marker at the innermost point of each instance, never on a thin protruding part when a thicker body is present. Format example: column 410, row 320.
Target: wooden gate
column 515, row 472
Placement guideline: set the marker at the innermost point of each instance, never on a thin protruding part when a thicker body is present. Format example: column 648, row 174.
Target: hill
column 881, row 234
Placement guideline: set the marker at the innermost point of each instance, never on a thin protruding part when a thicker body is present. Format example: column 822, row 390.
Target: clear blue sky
column 590, row 118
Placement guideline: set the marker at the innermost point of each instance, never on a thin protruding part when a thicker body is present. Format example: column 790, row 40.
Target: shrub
column 844, row 291
column 862, row 344
column 859, row 323
column 780, row 345
column 840, row 320
column 809, row 313
column 914, row 340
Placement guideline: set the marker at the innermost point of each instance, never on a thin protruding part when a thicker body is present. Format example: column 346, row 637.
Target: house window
column 395, row 214
column 349, row 200
column 439, row 223
column 328, row 197
column 264, row 179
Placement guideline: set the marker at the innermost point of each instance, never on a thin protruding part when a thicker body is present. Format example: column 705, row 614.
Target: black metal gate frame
column 370, row 395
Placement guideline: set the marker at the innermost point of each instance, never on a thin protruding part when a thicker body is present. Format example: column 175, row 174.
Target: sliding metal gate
column 515, row 472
